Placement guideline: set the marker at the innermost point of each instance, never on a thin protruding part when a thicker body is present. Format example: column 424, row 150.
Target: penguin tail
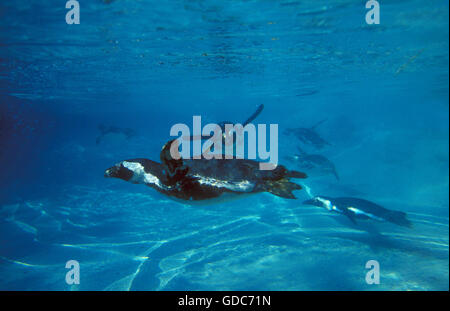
column 254, row 115
column 281, row 188
column 399, row 218
column 296, row 174
column 301, row 151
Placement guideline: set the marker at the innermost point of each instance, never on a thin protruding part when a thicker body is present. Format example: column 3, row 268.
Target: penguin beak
column 107, row 173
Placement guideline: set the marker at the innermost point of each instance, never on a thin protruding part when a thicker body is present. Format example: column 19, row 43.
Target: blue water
column 147, row 65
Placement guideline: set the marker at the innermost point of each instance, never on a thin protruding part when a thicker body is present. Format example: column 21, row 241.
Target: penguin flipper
column 350, row 216
column 318, row 123
column 352, row 219
column 254, row 115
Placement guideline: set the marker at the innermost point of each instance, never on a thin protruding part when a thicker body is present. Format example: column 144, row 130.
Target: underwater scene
column 355, row 99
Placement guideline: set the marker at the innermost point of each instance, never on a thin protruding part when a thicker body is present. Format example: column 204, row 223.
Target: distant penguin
column 355, row 208
column 249, row 119
column 113, row 131
column 314, row 163
column 226, row 135
column 308, row 136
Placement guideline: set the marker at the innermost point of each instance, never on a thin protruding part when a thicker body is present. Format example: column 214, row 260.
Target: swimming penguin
column 106, row 131
column 309, row 135
column 355, row 208
column 314, row 163
column 226, row 134
column 203, row 181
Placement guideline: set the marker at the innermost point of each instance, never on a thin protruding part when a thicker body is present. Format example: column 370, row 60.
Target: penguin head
column 139, row 171
column 119, row 171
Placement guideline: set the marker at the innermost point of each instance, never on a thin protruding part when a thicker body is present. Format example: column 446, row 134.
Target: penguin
column 226, row 135
column 314, row 163
column 309, row 136
column 249, row 119
column 355, row 208
column 203, row 181
column 106, row 131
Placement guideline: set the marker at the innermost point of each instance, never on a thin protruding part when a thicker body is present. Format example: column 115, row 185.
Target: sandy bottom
column 143, row 241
